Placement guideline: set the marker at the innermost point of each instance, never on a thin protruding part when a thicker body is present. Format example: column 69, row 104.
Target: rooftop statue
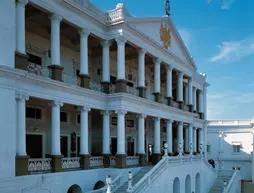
column 167, row 7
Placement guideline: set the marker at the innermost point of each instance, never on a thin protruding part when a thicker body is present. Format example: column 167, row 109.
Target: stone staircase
column 223, row 175
column 135, row 179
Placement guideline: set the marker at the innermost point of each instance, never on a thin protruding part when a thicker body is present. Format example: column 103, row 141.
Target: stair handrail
column 232, row 180
column 149, row 177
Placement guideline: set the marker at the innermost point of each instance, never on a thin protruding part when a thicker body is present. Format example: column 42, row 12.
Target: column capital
column 141, row 115
column 169, row 121
column 105, row 112
column 169, row 67
column 180, row 123
column 55, row 17
column 85, row 108
column 191, row 125
column 106, row 43
column 121, row 112
column 120, row 40
column 56, row 103
column 142, row 51
column 157, row 61
column 22, row 97
column 180, row 73
column 22, row 2
column 84, row 32
column 156, row 118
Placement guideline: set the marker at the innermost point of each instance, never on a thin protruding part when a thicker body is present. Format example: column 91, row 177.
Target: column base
column 181, row 105
column 121, row 86
column 142, row 92
column 201, row 115
column 21, row 61
column 85, row 161
column 191, row 108
column 105, row 87
column 106, row 160
column 84, row 81
column 169, row 101
column 121, row 160
column 157, row 97
column 142, row 159
column 156, row 157
column 56, row 72
column 56, row 163
column 171, row 154
column 22, row 165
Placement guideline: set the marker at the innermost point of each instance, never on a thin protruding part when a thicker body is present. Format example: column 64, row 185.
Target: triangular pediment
column 163, row 32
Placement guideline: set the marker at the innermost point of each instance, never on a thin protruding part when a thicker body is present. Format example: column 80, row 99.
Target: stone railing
column 116, row 15
column 39, row 165
column 112, row 161
column 132, row 160
column 71, row 163
column 96, row 161
column 233, row 184
column 34, row 68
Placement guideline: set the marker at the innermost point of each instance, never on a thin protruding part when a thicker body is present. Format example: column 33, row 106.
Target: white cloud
column 225, row 4
column 234, row 50
column 186, row 36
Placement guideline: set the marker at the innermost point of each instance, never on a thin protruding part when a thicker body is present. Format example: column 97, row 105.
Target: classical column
column 21, row 155
column 157, row 79
column 194, row 89
column 190, row 94
column 106, row 138
column 191, row 139
column 200, row 145
column 141, row 139
column 21, row 59
column 194, row 140
column 186, row 140
column 121, row 153
column 121, row 80
column 200, row 104
column 84, row 68
column 55, row 67
column 106, row 65
column 169, row 84
column 180, row 138
column 185, row 87
column 141, row 73
column 84, row 137
column 180, row 89
column 55, row 136
column 157, row 141
column 170, row 137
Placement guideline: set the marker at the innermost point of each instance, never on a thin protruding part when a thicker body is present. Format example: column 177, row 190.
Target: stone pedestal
column 21, row 61
column 181, row 105
column 142, row 92
column 169, row 101
column 56, row 72
column 121, row 86
column 201, row 115
column 21, row 165
column 84, row 81
column 190, row 108
column 142, row 159
column 156, row 158
column 121, row 160
column 105, row 87
column 85, row 161
column 106, row 161
column 56, row 163
column 157, row 97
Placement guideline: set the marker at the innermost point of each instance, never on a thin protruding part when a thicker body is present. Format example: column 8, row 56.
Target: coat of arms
column 165, row 35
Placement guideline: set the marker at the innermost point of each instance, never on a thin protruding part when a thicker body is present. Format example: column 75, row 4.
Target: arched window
column 74, row 189
column 197, row 183
column 188, row 184
column 99, row 185
column 176, row 185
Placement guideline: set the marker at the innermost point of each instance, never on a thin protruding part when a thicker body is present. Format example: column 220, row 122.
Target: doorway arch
column 197, row 183
column 74, row 189
column 176, row 185
column 99, row 185
column 188, row 184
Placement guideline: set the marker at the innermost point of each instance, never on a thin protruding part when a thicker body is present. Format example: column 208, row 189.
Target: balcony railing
column 71, row 163
column 132, row 160
column 96, row 161
column 39, row 165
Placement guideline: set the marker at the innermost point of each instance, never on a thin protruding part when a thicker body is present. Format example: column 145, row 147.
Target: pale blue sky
column 220, row 37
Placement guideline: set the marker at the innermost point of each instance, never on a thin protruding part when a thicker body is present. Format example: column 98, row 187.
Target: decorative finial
column 167, row 7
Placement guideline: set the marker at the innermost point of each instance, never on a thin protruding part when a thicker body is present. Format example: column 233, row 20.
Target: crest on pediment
column 165, row 35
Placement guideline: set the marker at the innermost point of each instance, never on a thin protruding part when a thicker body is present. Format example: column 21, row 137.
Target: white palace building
column 85, row 94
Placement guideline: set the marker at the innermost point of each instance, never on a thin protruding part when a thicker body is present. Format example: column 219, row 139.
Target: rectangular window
column 64, row 117
column 236, row 148
column 33, row 113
